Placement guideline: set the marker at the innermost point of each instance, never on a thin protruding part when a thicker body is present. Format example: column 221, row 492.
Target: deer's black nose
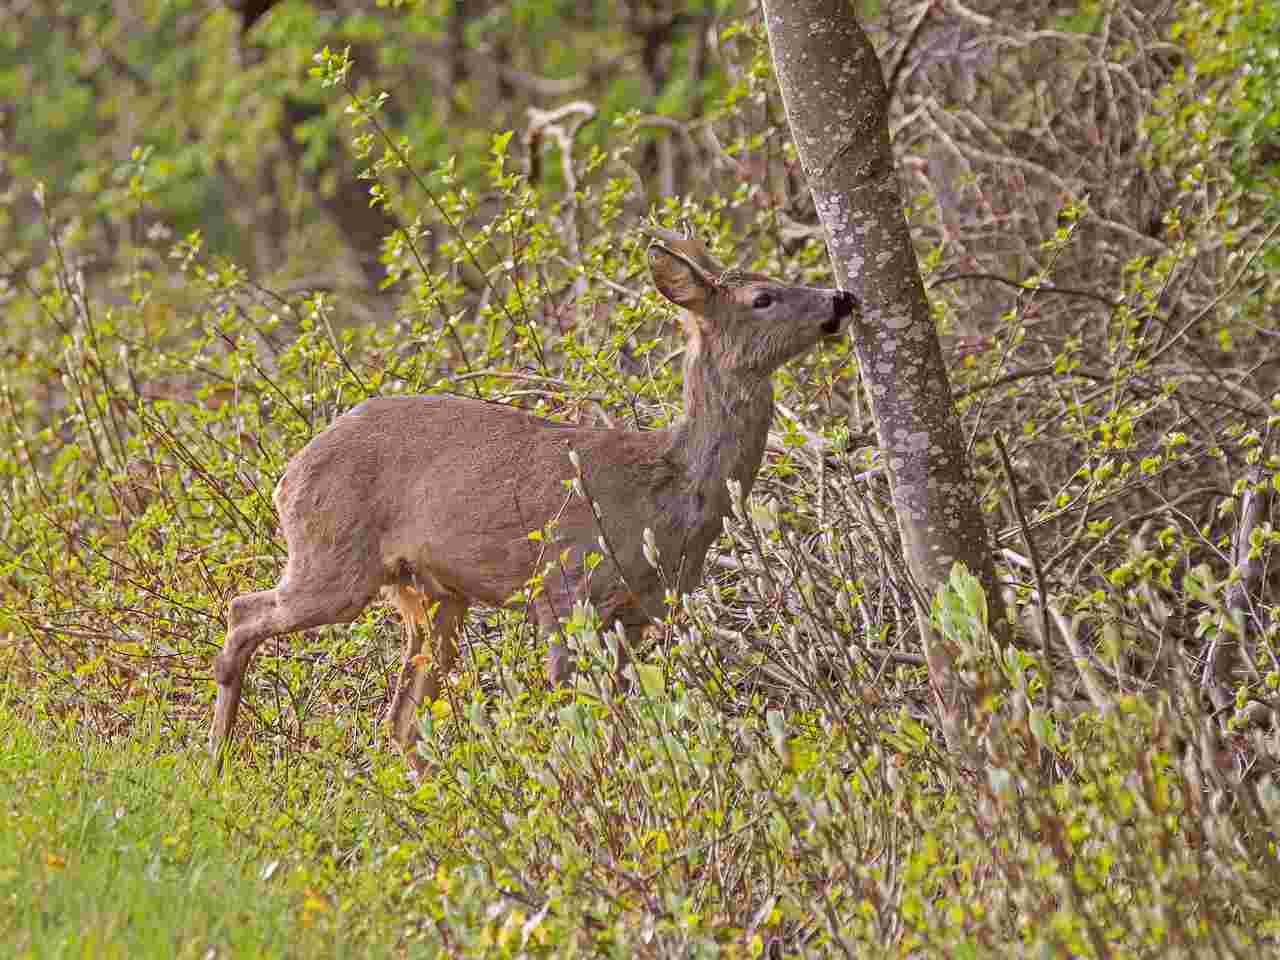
column 845, row 302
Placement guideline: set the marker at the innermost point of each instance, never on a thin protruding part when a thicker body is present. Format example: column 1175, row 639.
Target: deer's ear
column 678, row 278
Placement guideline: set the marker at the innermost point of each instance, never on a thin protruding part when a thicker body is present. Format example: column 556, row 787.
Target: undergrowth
column 775, row 783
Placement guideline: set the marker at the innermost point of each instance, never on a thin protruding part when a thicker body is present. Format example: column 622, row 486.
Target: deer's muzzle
column 843, row 306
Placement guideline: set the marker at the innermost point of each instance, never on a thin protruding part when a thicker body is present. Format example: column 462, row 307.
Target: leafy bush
column 775, row 783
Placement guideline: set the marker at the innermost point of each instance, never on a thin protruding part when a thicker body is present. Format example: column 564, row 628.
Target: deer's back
column 450, row 488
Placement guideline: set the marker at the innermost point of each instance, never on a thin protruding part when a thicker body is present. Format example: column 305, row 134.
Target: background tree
column 850, row 169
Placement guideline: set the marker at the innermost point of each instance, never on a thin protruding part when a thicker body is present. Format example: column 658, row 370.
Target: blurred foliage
column 1217, row 122
column 90, row 81
column 1093, row 203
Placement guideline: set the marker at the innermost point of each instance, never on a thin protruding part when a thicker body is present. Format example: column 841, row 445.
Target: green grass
column 653, row 825
column 128, row 849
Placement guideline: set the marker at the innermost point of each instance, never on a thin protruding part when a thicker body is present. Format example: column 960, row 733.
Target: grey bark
column 837, row 106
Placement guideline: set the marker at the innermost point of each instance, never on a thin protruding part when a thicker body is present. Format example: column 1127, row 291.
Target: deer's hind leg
column 301, row 600
column 425, row 617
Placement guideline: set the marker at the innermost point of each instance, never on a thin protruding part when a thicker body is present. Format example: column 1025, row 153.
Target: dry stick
column 30, row 459
column 73, row 289
column 1047, row 370
column 1107, row 497
column 448, row 219
column 1229, row 641
column 1084, row 667
column 1212, row 304
column 337, row 348
column 1180, row 277
column 395, row 148
column 562, row 125
column 604, row 540
column 914, row 32
column 1126, row 522
column 1028, row 287
column 1011, row 340
column 1016, row 497
column 264, row 376
column 17, row 275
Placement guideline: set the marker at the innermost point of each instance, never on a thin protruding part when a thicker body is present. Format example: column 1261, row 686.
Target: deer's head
column 743, row 321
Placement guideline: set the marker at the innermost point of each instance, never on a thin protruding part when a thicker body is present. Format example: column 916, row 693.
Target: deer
column 431, row 500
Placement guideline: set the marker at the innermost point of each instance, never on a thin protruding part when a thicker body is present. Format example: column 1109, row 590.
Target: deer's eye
column 762, row 300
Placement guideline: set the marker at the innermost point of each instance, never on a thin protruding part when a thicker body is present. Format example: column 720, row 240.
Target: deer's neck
column 722, row 435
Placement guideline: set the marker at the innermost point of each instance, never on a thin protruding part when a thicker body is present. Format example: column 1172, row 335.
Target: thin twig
column 1016, row 497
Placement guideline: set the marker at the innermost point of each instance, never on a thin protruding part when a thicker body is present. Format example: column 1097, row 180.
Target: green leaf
column 652, row 681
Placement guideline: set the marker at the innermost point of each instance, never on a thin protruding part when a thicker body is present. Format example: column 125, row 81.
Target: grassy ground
column 656, row 825
column 131, row 849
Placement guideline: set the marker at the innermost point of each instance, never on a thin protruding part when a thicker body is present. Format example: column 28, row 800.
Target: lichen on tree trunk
column 837, row 106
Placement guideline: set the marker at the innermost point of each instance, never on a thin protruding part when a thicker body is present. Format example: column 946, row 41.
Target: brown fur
column 431, row 499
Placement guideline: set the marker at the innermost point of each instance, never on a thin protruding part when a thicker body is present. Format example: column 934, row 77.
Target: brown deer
column 432, row 499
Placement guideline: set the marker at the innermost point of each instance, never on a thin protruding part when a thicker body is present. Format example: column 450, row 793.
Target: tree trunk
column 837, row 105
